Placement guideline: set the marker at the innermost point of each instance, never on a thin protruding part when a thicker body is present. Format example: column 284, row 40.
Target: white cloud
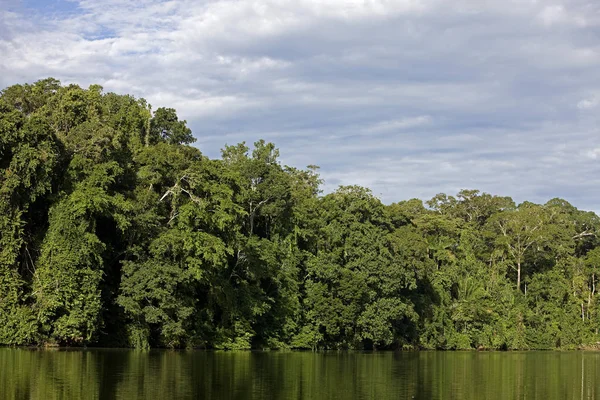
column 594, row 154
column 554, row 14
column 588, row 103
column 409, row 97
column 399, row 124
column 558, row 14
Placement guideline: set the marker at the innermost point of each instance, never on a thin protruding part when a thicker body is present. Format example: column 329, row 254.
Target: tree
column 165, row 125
column 115, row 232
column 519, row 230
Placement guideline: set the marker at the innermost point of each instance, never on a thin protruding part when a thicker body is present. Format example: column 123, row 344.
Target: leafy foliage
column 114, row 231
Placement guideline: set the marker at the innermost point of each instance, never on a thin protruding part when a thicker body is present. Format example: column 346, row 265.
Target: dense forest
column 115, row 231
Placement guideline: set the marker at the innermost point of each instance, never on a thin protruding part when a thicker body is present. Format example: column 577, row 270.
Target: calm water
column 124, row 374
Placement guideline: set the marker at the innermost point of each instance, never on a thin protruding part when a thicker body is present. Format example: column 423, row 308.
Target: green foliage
column 166, row 126
column 114, row 231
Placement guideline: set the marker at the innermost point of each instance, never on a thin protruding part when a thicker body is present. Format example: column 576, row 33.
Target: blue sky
column 407, row 97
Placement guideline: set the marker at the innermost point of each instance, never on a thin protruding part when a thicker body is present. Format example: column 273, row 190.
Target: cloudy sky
column 408, row 97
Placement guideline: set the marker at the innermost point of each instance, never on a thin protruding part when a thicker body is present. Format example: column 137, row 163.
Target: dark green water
column 124, row 374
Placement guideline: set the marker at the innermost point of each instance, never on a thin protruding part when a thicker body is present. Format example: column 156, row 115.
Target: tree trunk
column 519, row 275
column 589, row 305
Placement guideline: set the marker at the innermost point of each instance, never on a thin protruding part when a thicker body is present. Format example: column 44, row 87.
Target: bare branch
column 168, row 192
column 173, row 217
column 583, row 234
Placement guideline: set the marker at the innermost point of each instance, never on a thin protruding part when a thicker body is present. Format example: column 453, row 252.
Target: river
column 163, row 374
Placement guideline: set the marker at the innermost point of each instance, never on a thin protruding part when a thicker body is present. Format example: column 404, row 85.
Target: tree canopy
column 115, row 231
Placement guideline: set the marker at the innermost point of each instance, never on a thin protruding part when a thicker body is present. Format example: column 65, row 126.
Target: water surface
column 127, row 374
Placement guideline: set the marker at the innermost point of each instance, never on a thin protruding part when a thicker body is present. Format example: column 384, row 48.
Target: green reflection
column 125, row 374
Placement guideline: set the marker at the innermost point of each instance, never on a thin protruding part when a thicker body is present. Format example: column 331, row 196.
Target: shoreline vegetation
column 116, row 232
column 55, row 347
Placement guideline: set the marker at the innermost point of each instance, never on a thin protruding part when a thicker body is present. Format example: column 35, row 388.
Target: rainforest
column 115, row 231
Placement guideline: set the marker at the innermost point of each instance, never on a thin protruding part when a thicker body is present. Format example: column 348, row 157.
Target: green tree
column 519, row 231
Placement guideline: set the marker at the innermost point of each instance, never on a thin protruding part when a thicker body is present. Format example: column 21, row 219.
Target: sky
column 407, row 97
